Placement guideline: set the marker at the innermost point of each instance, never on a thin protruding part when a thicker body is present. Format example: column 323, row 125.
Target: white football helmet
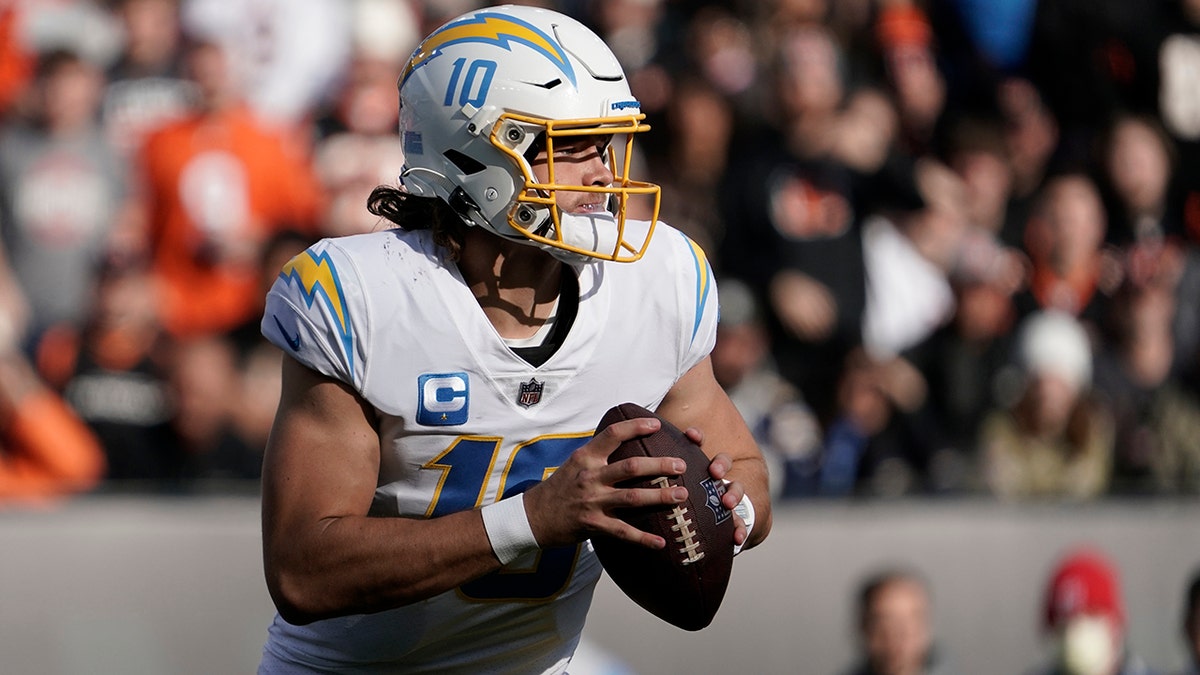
column 479, row 91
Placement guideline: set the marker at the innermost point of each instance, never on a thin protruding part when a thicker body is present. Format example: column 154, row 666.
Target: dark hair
column 876, row 582
column 50, row 62
column 1192, row 602
column 420, row 213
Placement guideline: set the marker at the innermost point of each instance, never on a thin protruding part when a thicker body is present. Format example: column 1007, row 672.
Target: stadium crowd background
column 956, row 239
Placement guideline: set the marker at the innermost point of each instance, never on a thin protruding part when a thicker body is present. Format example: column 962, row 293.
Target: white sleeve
column 316, row 313
column 697, row 290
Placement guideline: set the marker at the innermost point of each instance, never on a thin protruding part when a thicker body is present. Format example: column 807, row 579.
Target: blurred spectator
column 809, row 89
column 110, row 372
column 216, row 185
column 908, row 256
column 906, row 42
column 1191, row 625
column 1157, row 422
column 864, row 137
column 977, row 152
column 55, row 243
column 146, row 86
column 699, row 125
column 1051, row 441
column 46, row 452
column 1064, row 238
column 205, row 386
column 33, row 27
column 722, row 47
column 895, row 620
column 1138, row 160
column 631, row 30
column 1084, row 618
column 962, row 360
column 1138, row 163
column 793, row 229
column 874, row 446
column 1031, row 135
column 361, row 148
column 786, row 429
column 286, row 55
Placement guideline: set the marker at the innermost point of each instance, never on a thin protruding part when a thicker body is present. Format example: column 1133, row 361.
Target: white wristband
column 508, row 528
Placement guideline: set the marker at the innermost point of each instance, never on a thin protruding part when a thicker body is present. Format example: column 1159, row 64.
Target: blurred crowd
column 1083, row 622
column 957, row 241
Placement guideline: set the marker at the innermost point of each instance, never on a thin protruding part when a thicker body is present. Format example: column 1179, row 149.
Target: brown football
column 684, row 583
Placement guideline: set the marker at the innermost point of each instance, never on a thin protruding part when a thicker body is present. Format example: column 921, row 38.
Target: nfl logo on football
column 531, row 393
column 714, row 499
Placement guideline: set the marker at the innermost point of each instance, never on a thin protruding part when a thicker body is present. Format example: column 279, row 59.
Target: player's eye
column 582, row 145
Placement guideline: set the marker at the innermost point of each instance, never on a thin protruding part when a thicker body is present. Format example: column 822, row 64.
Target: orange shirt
column 47, row 452
column 16, row 61
column 1071, row 293
column 215, row 188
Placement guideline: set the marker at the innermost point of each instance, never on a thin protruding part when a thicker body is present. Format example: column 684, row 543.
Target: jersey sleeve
column 316, row 313
column 697, row 292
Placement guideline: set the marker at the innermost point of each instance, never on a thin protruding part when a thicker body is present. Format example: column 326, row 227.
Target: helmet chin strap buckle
column 465, row 207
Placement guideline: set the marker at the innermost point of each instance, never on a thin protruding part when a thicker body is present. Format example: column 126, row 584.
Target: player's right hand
column 578, row 499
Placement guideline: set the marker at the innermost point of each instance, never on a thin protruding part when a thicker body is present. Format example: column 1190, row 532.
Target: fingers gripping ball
column 682, row 584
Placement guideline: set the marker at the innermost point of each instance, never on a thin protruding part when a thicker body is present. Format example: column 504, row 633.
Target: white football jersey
column 465, row 422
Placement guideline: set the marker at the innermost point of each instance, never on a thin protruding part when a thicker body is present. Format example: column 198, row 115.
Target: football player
column 433, row 477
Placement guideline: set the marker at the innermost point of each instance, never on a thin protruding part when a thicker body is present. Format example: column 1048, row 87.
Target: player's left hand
column 718, row 468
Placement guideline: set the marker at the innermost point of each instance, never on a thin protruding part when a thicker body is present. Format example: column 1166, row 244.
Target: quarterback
column 434, row 475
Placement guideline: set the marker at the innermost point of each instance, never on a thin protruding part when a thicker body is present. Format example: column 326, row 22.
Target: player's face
column 577, row 161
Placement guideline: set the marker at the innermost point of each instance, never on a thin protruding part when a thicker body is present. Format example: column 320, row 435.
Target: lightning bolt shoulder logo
column 315, row 276
column 703, row 282
column 493, row 29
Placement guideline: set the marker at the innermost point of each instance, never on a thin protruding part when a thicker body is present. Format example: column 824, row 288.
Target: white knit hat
column 1054, row 342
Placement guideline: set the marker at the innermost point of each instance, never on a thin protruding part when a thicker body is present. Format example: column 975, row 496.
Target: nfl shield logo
column 531, row 393
column 715, row 491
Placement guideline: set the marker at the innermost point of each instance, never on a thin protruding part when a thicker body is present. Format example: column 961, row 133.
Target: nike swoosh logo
column 293, row 342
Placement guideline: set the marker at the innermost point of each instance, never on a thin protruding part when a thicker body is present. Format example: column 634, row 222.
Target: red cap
column 1085, row 582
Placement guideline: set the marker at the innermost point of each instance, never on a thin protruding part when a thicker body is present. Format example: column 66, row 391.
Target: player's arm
column 697, row 401
column 325, row 557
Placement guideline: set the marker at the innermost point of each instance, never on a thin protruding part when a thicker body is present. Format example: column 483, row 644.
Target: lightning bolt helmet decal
column 493, row 29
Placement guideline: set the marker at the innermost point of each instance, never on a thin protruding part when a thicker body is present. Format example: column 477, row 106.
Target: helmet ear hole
column 465, row 163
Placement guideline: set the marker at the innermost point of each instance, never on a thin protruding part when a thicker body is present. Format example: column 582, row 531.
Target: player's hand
column 734, row 491
column 718, row 468
column 578, row 499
